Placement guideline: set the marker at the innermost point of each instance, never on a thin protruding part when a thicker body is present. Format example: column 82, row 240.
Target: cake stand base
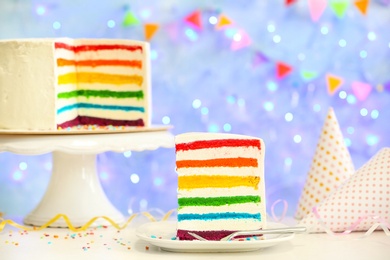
column 75, row 191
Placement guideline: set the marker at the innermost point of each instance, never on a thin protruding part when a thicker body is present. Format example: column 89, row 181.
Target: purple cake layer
column 86, row 120
column 209, row 235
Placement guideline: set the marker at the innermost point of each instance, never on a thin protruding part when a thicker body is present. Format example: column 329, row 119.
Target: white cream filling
column 251, row 208
column 66, row 116
column 223, row 224
column 96, row 86
column 111, row 114
column 65, row 70
column 219, row 192
column 221, row 152
column 114, row 70
column 82, row 85
column 99, row 55
column 117, row 54
column 125, row 102
column 115, row 115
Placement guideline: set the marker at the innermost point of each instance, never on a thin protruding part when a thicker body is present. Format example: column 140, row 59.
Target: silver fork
column 287, row 230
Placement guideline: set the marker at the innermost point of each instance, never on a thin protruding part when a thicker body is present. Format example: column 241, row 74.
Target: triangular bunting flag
column 289, row 2
column 339, row 7
column 130, row 19
column 150, row 29
column 259, row 58
column 223, row 21
column 333, row 83
column 330, row 167
column 240, row 40
column 360, row 203
column 308, row 75
column 195, row 19
column 317, row 7
column 282, row 70
column 362, row 5
column 361, row 90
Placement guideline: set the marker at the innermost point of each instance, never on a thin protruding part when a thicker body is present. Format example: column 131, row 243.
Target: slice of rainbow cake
column 220, row 184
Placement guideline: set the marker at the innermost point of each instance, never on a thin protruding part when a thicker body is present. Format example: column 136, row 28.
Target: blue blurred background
column 212, row 79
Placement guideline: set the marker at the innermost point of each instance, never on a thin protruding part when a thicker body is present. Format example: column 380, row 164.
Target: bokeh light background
column 224, row 80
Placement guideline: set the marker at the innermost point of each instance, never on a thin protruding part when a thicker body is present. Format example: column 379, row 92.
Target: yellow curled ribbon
column 5, row 222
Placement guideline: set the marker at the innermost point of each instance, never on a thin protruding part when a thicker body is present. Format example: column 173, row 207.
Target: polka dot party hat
column 331, row 166
column 360, row 203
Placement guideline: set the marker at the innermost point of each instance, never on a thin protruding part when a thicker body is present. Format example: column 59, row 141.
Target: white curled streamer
column 380, row 222
column 284, row 212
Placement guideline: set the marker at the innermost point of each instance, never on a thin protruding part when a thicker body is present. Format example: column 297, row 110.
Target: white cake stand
column 74, row 188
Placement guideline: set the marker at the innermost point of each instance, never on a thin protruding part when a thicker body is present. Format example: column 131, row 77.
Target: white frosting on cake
column 27, row 84
column 203, row 154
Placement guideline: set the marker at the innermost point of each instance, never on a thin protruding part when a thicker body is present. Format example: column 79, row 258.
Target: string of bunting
column 338, row 7
column 240, row 39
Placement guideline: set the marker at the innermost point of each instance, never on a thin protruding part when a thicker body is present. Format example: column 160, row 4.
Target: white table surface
column 109, row 243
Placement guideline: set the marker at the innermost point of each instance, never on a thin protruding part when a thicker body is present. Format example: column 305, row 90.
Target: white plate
column 162, row 234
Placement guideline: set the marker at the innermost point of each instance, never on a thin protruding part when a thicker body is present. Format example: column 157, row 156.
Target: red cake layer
column 209, row 235
column 80, row 48
column 202, row 144
column 86, row 120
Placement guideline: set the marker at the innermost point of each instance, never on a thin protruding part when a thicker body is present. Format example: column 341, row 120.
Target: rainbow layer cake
column 54, row 84
column 220, row 184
